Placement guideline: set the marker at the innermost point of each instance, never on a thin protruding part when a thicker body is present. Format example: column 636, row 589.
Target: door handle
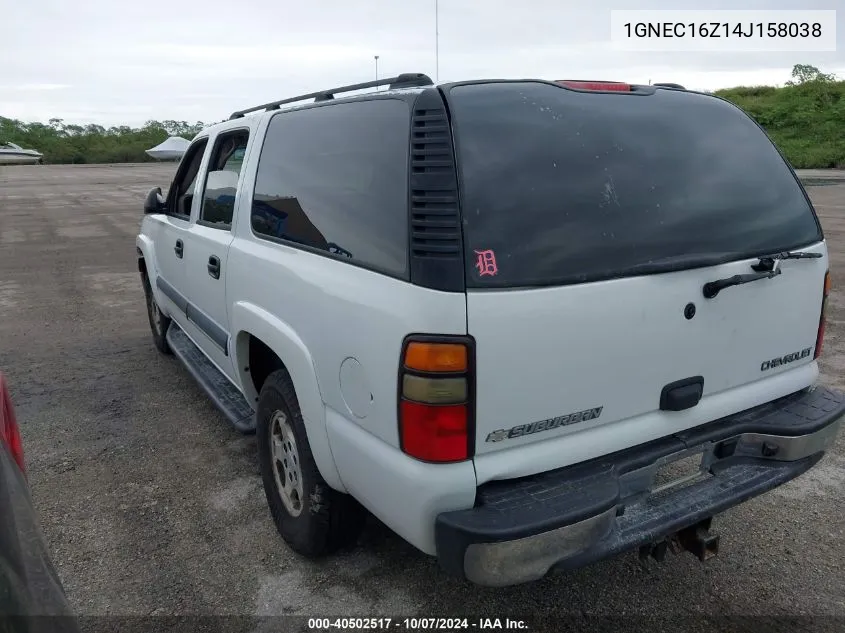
column 214, row 266
column 179, row 249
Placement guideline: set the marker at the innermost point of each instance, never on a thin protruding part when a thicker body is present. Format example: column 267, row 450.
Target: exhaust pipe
column 698, row 540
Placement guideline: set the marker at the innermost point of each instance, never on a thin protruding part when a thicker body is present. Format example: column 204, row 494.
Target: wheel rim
column 286, row 467
column 155, row 313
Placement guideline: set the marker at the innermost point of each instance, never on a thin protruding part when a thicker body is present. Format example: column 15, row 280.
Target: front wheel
column 158, row 322
column 311, row 517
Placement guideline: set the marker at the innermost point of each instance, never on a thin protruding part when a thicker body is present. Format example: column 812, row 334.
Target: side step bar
column 223, row 393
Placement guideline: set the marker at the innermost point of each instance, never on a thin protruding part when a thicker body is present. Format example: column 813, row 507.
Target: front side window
column 181, row 194
column 335, row 179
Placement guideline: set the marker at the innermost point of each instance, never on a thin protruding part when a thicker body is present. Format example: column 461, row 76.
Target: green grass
column 806, row 121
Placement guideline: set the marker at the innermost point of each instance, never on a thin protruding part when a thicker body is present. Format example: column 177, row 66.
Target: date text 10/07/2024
column 416, row 624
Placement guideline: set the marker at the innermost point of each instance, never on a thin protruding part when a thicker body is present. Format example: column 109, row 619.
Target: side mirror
column 154, row 202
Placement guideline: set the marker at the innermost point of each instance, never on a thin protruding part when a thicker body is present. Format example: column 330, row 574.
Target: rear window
column 565, row 187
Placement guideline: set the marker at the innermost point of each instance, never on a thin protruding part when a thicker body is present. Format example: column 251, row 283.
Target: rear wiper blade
column 674, row 263
column 767, row 262
column 712, row 288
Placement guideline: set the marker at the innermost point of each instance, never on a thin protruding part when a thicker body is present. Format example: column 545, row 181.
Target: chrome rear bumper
column 521, row 530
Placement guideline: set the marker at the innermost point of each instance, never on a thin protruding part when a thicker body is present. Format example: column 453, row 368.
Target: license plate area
column 679, row 469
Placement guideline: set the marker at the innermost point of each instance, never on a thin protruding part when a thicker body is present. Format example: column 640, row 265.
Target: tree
column 62, row 142
column 804, row 73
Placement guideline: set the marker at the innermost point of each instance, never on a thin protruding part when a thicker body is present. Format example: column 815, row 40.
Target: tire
column 158, row 322
column 312, row 518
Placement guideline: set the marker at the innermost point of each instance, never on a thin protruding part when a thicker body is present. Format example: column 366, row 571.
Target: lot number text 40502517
column 417, row 624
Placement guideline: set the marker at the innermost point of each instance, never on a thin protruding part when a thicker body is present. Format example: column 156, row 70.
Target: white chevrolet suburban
column 526, row 324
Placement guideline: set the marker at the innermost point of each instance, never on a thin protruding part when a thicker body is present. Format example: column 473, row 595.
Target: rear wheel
column 311, row 517
column 158, row 322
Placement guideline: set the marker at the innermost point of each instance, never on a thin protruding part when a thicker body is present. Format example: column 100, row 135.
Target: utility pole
column 376, row 58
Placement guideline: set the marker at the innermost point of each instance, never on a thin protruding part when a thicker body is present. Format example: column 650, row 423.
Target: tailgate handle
column 682, row 394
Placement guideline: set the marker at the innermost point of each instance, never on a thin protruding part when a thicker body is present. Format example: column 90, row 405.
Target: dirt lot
column 152, row 504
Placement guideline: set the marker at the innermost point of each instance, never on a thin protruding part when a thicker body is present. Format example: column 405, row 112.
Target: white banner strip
column 722, row 31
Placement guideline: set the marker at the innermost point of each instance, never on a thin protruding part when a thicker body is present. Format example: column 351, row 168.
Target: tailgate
column 593, row 355
column 591, row 223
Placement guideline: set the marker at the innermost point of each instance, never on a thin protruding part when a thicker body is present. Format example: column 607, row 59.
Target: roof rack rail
column 405, row 80
column 669, row 85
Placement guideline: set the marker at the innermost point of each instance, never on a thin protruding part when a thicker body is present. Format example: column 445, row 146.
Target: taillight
column 613, row 86
column 9, row 432
column 820, row 335
column 435, row 399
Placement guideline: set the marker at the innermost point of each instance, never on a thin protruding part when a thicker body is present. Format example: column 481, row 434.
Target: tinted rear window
column 564, row 187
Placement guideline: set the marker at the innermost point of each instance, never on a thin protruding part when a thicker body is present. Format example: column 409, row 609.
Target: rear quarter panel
column 340, row 312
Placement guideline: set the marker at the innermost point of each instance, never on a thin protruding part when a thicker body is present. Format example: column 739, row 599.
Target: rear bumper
column 519, row 530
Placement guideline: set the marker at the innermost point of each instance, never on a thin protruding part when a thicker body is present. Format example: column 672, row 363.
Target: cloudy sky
column 127, row 61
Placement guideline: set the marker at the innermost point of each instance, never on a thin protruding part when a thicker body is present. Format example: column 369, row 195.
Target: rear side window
column 566, row 187
column 335, row 178
column 221, row 181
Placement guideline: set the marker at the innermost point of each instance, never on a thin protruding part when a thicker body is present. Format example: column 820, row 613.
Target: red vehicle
column 29, row 584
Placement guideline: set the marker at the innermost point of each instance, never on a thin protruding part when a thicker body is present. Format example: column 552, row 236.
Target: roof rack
column 405, row 80
column 668, row 85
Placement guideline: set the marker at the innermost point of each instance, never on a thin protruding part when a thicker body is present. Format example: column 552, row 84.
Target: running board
column 223, row 393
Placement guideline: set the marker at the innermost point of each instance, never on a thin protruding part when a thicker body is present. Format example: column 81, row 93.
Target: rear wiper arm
column 712, row 288
column 767, row 262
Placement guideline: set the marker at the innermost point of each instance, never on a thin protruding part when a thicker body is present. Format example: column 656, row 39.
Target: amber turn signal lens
column 436, row 357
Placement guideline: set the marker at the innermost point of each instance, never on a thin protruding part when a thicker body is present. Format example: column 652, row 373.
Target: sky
column 125, row 62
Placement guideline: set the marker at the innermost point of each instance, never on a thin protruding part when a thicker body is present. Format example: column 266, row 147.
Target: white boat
column 171, row 149
column 11, row 154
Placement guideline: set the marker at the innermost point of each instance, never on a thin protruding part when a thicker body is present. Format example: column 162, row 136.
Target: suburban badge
column 544, row 425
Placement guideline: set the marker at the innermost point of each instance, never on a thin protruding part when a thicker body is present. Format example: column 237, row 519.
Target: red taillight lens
column 9, row 432
column 613, row 86
column 435, row 399
column 435, row 433
column 820, row 335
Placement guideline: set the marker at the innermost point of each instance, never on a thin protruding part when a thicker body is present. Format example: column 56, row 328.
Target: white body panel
column 592, row 439
column 340, row 311
column 164, row 231
column 616, row 344
column 205, row 292
column 406, row 494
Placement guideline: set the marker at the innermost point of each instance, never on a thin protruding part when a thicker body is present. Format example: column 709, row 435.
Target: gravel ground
column 152, row 504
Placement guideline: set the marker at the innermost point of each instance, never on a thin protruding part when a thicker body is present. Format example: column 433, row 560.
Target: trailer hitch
column 696, row 539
